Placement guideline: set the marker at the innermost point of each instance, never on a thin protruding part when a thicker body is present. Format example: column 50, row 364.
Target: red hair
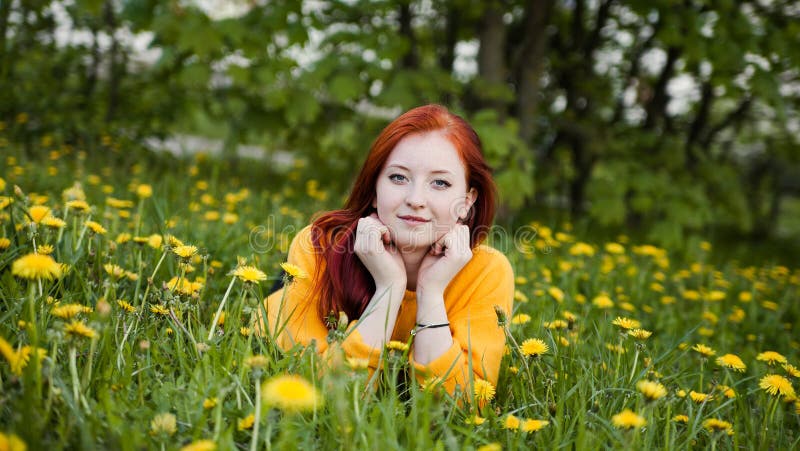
column 345, row 284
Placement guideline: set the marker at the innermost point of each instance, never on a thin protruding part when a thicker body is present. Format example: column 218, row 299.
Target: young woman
column 403, row 258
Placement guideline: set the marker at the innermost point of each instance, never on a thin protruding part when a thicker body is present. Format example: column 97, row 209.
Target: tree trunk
column 410, row 60
column 491, row 55
column 529, row 63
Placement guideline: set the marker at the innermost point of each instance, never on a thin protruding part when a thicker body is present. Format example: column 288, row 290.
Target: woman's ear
column 469, row 201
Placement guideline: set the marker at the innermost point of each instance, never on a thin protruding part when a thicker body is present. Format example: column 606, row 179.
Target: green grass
column 144, row 363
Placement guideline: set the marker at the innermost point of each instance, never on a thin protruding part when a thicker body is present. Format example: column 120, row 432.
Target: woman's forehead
column 428, row 152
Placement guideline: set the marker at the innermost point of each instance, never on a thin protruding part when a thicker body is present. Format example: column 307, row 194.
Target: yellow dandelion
column 144, row 191
column 651, row 390
column 356, row 363
column 116, row 272
column 155, row 240
column 704, row 350
column 36, row 266
column 200, row 445
column 732, row 362
column 520, row 318
column 79, row 329
column 556, row 324
column 776, row 384
column 728, row 392
column 210, row 403
column 534, row 347
column 640, row 334
column 602, row 302
column 185, row 251
column 38, row 212
column 294, row 271
column 126, row 306
column 717, row 425
column 291, row 393
column 475, row 420
column 256, row 362
column 78, row 205
column 96, row 227
column 246, row 422
column 771, row 357
column 53, row 222
column 11, row 442
column 395, row 345
column 615, row 248
column 531, row 425
column 164, row 423
column 628, row 419
column 245, row 331
column 511, row 422
column 700, row 397
column 626, row 323
column 249, row 274
column 680, row 418
column 5, row 243
column 556, row 293
column 69, row 311
column 484, row 390
column 159, row 309
column 494, row 446
column 791, row 370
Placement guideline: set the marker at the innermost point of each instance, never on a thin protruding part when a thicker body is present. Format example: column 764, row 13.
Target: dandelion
column 144, row 191
column 704, row 350
column 293, row 271
column 628, row 419
column 246, row 422
column 96, row 227
column 511, row 422
column 164, row 423
column 556, row 324
column 494, row 446
column 184, row 251
column 395, row 345
column 245, row 331
column 791, row 370
column 776, row 384
column 45, row 249
column 210, row 403
column 484, row 390
column 256, row 362
column 78, row 205
column 728, row 392
column 531, row 425
column 291, row 393
column 651, row 390
column 53, row 222
column 626, row 323
column 732, row 362
column 4, row 243
column 38, row 212
column 17, row 359
column 356, row 363
column 36, row 266
column 249, row 274
column 771, row 357
column 700, row 397
column 69, row 311
column 640, row 334
column 116, row 272
column 602, row 302
column 534, row 347
column 159, row 309
column 680, row 418
column 716, row 425
column 520, row 318
column 475, row 420
column 556, row 293
column 11, row 442
column 79, row 329
column 200, row 445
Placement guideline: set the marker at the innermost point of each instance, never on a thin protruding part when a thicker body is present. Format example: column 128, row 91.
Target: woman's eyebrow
column 438, row 171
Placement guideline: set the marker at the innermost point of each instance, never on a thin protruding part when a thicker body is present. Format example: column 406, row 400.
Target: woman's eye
column 397, row 177
column 439, row 183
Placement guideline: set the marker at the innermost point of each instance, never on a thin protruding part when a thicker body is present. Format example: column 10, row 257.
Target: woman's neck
column 412, row 260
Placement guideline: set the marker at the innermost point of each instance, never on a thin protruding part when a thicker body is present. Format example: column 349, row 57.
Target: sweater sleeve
column 292, row 312
column 478, row 342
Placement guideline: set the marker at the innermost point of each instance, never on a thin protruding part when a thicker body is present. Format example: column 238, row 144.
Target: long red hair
column 343, row 283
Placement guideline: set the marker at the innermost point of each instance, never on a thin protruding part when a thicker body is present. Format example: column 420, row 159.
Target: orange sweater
column 478, row 342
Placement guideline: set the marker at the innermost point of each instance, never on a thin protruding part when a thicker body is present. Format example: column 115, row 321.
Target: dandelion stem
column 635, row 361
column 219, row 310
column 254, row 441
column 73, row 370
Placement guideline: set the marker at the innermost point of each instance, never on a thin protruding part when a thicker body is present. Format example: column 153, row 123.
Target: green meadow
column 114, row 265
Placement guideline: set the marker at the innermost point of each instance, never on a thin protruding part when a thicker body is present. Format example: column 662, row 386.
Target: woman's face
column 422, row 191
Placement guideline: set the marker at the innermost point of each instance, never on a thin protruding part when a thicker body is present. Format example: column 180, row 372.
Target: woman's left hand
column 445, row 259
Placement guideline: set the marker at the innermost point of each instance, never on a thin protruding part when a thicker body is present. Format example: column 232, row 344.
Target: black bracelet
column 420, row 327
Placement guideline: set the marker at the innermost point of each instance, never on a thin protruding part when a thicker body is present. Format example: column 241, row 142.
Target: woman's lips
column 413, row 220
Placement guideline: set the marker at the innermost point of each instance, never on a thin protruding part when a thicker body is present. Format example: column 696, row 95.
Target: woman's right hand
column 376, row 251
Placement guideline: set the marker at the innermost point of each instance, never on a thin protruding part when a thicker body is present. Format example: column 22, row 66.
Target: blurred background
column 666, row 119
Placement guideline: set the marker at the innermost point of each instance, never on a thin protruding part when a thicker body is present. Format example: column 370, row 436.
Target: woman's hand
column 445, row 259
column 376, row 251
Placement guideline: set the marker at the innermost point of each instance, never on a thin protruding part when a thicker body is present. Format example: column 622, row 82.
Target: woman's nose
column 415, row 197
